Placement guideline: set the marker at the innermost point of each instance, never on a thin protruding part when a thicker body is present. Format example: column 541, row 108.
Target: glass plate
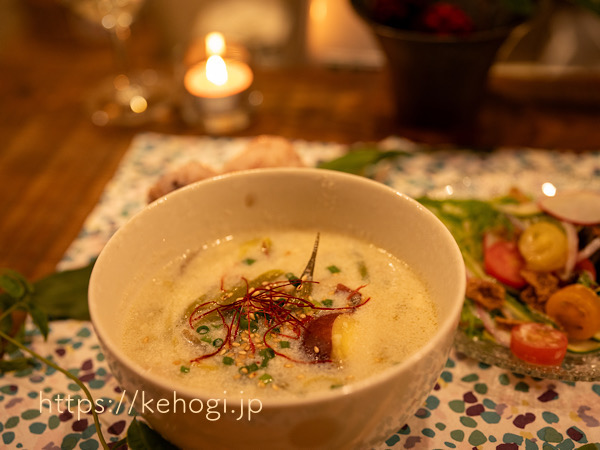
column 464, row 174
column 575, row 367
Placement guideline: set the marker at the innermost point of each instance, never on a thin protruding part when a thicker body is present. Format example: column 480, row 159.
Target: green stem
column 9, row 310
column 120, row 443
column 66, row 373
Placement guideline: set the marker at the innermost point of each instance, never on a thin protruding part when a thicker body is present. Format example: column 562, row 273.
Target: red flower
column 447, row 19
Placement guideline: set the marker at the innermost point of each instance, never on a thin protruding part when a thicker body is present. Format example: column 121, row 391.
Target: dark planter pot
column 437, row 81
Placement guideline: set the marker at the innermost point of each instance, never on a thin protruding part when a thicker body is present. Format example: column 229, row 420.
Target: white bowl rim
column 447, row 328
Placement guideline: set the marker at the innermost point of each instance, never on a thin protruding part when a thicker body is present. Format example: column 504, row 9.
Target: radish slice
column 589, row 249
column 578, row 207
column 502, row 336
column 572, row 246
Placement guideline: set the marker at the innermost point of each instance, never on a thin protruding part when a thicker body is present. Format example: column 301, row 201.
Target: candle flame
column 214, row 43
column 216, row 70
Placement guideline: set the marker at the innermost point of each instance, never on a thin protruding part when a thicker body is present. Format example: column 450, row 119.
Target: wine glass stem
column 119, row 40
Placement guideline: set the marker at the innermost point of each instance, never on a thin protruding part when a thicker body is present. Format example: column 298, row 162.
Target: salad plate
column 580, row 363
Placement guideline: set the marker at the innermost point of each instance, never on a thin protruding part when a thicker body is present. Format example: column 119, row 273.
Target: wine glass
column 129, row 98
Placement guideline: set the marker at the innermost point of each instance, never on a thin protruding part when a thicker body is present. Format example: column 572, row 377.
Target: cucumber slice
column 589, row 346
column 517, row 309
column 523, row 312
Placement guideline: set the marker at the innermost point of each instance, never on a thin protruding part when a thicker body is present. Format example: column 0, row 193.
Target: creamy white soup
column 238, row 315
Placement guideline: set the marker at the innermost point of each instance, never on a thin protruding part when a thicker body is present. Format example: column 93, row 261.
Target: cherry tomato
column 586, row 265
column 576, row 308
column 503, row 261
column 544, row 247
column 538, row 343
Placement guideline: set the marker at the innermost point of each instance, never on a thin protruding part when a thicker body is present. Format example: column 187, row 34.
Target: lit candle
column 218, row 89
column 217, row 77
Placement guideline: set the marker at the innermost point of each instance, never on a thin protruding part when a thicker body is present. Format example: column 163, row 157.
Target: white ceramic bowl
column 357, row 416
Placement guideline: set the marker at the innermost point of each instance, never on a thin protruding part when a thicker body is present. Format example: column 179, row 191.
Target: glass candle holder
column 218, row 87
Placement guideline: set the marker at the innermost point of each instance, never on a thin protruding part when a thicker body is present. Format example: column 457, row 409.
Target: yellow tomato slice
column 577, row 309
column 543, row 245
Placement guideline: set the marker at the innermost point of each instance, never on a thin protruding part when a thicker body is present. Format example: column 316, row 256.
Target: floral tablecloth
column 473, row 405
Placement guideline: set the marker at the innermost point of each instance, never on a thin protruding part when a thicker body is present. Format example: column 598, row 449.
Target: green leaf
column 63, row 295
column 16, row 364
column 468, row 220
column 141, row 437
column 360, row 160
column 14, row 284
column 40, row 319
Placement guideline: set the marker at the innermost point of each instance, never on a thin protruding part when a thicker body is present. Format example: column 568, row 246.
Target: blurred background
column 68, row 41
column 562, row 34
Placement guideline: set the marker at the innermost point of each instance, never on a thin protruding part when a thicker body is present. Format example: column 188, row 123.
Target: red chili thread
column 274, row 305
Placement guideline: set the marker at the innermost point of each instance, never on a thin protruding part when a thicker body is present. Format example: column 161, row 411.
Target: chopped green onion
column 228, row 361
column 206, row 339
column 266, row 378
column 293, row 279
column 327, row 302
column 217, row 342
column 184, row 369
column 333, row 269
column 362, row 269
column 284, row 344
column 252, row 367
column 244, row 325
column 203, row 329
column 249, row 261
column 267, row 354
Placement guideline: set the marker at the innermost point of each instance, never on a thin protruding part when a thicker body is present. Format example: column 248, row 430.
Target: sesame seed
column 242, row 352
column 316, row 349
column 244, row 370
column 236, row 344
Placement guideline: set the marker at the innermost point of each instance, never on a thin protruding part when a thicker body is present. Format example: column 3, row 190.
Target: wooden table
column 54, row 163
